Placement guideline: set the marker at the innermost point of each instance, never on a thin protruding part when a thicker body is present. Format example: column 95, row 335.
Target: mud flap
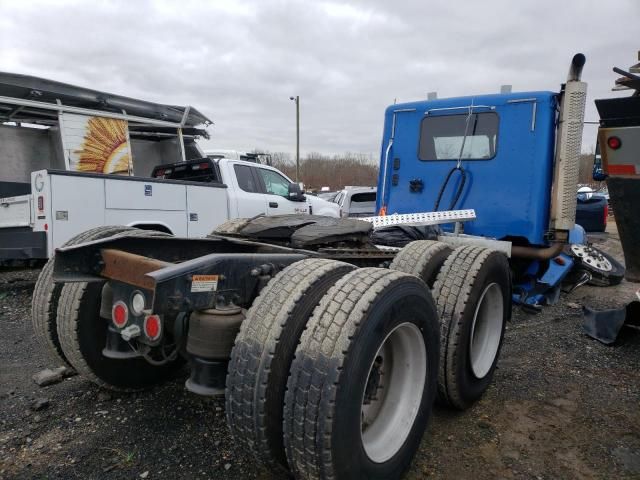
column 625, row 198
column 605, row 325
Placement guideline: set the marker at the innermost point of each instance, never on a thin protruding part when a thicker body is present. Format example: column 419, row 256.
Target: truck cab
column 497, row 151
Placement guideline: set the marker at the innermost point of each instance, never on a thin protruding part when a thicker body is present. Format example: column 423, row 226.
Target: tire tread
column 452, row 291
column 416, row 256
column 313, row 382
column 250, row 373
column 46, row 293
column 69, row 319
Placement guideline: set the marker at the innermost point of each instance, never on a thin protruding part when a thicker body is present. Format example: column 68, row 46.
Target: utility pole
column 296, row 99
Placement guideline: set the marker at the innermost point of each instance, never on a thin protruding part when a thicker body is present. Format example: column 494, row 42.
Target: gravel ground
column 561, row 406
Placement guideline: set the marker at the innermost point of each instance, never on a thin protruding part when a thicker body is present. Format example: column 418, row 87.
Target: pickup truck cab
column 252, row 188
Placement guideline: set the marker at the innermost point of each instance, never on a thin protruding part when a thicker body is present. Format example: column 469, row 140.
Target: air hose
column 463, row 179
column 458, row 167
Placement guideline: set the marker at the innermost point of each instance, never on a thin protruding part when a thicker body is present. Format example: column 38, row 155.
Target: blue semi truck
column 513, row 159
column 329, row 349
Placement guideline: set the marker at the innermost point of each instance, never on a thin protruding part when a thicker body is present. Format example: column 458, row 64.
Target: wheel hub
column 486, row 330
column 393, row 392
column 592, row 257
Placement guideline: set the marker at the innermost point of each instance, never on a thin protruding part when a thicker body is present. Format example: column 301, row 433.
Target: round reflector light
column 614, row 143
column 152, row 327
column 119, row 314
column 137, row 303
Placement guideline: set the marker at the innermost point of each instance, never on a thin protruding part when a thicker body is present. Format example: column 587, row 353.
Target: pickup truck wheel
column 473, row 298
column 44, row 303
column 422, row 258
column 263, row 352
column 364, row 378
column 82, row 333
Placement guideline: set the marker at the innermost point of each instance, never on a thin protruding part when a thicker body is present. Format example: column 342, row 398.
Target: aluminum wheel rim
column 387, row 417
column 486, row 330
column 592, row 257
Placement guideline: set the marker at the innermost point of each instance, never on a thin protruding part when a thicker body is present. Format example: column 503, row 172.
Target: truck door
column 250, row 200
column 276, row 188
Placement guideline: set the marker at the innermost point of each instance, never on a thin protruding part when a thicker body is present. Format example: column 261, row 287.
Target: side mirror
column 295, row 193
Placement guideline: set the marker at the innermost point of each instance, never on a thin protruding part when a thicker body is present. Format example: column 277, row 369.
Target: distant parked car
column 357, row 201
column 592, row 210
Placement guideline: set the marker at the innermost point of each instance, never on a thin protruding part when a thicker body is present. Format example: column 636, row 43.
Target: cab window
column 246, row 180
column 274, row 183
column 442, row 137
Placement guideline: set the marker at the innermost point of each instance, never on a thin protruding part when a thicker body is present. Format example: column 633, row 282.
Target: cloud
column 239, row 62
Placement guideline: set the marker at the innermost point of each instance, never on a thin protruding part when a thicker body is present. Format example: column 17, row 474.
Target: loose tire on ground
column 263, row 352
column 363, row 380
column 473, row 298
column 422, row 258
column 44, row 303
column 604, row 269
column 82, row 335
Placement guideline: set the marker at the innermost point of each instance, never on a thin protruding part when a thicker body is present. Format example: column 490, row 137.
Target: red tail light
column 120, row 314
column 152, row 327
column 40, row 203
column 614, row 143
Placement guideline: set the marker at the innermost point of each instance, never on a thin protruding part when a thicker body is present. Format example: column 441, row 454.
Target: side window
column 274, row 183
column 366, row 197
column 246, row 180
column 442, row 137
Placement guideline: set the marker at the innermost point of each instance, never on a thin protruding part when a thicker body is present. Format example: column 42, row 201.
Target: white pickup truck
column 187, row 199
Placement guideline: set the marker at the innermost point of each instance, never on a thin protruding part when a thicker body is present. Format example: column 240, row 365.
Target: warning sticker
column 204, row 283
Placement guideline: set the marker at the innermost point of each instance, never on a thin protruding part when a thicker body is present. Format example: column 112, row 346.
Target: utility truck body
column 74, row 159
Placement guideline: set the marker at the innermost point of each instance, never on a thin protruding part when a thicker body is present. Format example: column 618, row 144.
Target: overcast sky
column 239, row 62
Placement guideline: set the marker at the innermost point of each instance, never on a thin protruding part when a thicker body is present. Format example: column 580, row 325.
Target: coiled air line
column 458, row 167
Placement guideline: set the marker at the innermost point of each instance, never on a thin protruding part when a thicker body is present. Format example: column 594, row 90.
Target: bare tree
column 336, row 171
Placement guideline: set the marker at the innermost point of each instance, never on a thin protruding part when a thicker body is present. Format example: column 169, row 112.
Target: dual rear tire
column 335, row 369
column 472, row 289
column 324, row 359
column 67, row 323
column 46, row 294
column 473, row 299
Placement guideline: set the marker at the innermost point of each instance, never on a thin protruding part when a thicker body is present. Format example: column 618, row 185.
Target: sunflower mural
column 105, row 147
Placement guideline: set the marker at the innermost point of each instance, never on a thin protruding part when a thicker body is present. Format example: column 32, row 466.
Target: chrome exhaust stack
column 568, row 148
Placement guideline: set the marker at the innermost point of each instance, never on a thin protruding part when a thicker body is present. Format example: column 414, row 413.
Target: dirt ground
column 562, row 405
